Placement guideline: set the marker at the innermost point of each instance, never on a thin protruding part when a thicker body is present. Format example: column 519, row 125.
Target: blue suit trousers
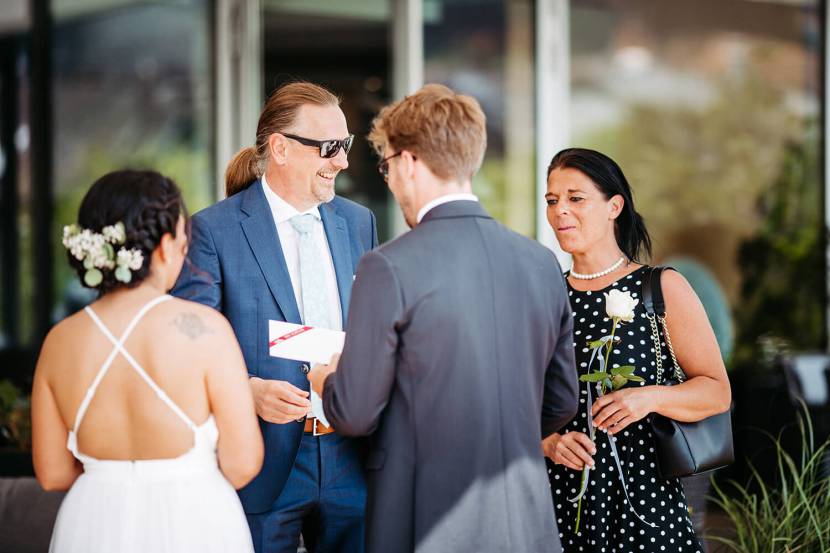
column 324, row 499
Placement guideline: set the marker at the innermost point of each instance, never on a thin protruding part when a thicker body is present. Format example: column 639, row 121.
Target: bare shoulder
column 68, row 329
column 194, row 322
column 679, row 294
column 61, row 338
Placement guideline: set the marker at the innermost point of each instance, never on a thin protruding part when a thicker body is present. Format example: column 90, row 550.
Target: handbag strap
column 655, row 306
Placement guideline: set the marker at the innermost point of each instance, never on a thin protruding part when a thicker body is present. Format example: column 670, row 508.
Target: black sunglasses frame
column 328, row 148
column 383, row 165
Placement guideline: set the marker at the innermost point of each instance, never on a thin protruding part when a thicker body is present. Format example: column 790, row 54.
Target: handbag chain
column 655, row 337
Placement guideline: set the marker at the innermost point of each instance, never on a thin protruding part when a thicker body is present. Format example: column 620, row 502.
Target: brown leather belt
column 315, row 427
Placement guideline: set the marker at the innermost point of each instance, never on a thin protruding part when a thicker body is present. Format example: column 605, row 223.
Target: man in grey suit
column 458, row 355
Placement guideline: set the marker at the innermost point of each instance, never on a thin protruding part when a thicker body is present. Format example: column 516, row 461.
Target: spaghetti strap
column 119, row 348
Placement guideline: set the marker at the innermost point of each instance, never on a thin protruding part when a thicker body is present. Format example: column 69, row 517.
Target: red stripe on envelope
column 288, row 336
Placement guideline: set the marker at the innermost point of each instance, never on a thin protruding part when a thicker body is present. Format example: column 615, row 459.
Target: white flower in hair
column 97, row 252
column 115, row 234
column 132, row 259
column 72, row 241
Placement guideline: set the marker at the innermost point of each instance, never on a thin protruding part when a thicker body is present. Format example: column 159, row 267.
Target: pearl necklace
column 592, row 276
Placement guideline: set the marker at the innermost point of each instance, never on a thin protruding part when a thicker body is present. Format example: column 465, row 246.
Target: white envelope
column 303, row 343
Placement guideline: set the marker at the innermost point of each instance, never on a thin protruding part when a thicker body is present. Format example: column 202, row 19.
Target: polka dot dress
column 607, row 523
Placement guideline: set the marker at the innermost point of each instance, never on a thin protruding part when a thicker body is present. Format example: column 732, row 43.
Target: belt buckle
column 314, row 428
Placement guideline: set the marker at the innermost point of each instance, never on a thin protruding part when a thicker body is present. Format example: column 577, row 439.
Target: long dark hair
column 148, row 203
column 629, row 228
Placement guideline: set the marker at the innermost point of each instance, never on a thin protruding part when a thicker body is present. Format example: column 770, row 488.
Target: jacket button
column 305, row 368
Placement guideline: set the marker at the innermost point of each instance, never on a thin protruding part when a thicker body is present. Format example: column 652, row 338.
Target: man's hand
column 278, row 401
column 318, row 374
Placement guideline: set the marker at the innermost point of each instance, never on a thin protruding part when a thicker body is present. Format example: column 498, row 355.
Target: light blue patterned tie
column 312, row 288
column 312, row 279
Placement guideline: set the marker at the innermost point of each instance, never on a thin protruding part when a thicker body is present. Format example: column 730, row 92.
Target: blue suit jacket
column 236, row 266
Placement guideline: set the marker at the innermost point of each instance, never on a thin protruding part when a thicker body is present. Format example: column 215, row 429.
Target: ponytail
column 632, row 235
column 242, row 171
column 278, row 114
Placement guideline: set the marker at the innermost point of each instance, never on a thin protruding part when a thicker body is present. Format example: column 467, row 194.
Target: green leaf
column 123, row 274
column 593, row 377
column 110, row 251
column 8, row 395
column 626, row 370
column 93, row 277
column 88, row 262
column 596, row 344
column 633, row 378
column 618, row 381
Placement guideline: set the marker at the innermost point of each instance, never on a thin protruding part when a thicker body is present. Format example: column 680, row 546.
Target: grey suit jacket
column 458, row 359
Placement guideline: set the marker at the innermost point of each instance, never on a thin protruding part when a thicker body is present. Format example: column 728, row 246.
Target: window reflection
column 712, row 109
column 489, row 55
column 345, row 47
column 131, row 88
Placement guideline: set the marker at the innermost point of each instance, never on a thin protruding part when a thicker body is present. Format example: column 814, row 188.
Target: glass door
column 345, row 46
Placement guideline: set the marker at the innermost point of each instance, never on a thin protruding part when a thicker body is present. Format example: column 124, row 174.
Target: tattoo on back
column 191, row 325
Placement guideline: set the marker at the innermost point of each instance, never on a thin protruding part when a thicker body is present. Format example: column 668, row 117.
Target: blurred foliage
column 15, row 419
column 736, row 185
column 783, row 297
column 695, row 166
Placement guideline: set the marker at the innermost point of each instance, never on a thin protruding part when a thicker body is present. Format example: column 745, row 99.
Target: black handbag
column 683, row 448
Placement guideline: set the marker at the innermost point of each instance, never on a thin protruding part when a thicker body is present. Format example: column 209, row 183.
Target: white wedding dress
column 177, row 505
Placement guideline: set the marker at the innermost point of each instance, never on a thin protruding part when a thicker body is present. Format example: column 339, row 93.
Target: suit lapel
column 338, row 237
column 262, row 236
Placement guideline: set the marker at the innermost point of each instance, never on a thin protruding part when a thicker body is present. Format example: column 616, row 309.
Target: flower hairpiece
column 96, row 251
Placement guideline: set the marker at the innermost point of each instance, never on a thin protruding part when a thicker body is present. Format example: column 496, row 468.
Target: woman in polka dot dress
column 591, row 210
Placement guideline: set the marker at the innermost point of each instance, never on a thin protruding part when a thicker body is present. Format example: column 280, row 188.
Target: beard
column 324, row 193
column 409, row 215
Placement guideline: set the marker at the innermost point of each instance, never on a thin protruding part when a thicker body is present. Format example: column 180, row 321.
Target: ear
column 408, row 164
column 166, row 247
column 277, row 147
column 615, row 206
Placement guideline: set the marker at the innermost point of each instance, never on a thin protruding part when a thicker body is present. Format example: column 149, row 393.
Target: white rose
column 620, row 305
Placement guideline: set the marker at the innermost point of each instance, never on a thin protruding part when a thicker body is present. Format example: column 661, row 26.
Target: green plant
column 783, row 303
column 15, row 419
column 789, row 515
column 8, row 396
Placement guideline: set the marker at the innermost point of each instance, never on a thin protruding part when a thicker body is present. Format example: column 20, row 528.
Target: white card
column 305, row 343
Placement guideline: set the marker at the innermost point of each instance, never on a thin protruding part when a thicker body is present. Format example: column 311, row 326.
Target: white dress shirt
column 289, row 239
column 443, row 200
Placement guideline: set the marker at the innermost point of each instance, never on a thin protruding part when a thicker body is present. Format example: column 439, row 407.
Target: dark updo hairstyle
column 629, row 228
column 148, row 203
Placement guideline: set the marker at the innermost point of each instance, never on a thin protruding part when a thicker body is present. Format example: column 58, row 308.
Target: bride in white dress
column 141, row 405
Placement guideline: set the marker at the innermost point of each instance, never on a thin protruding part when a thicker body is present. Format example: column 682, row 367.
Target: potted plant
column 787, row 513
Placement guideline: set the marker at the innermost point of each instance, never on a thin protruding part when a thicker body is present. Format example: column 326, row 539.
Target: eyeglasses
column 328, row 148
column 383, row 165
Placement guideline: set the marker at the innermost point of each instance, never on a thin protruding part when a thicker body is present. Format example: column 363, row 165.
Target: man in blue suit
column 283, row 247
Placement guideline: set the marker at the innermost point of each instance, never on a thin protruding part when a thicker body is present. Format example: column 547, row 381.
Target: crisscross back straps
column 119, row 348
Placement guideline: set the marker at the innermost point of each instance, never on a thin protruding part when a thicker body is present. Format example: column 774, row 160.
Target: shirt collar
column 443, row 200
column 282, row 210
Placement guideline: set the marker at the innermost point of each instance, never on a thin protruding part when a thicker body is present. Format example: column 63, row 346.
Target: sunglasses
column 328, row 148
